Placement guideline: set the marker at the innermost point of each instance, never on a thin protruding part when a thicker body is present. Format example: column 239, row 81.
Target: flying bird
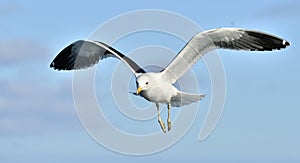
column 158, row 87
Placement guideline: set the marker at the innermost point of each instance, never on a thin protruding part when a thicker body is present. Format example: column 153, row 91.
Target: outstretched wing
column 86, row 53
column 226, row 38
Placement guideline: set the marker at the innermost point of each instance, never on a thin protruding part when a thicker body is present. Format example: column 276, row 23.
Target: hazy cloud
column 21, row 50
column 9, row 8
column 34, row 99
column 28, row 107
column 288, row 9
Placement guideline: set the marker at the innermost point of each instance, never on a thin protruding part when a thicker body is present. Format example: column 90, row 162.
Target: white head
column 142, row 82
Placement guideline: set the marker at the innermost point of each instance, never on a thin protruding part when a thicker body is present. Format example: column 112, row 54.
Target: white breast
column 161, row 91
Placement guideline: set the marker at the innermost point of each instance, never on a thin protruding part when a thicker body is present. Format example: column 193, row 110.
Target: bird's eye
column 147, row 83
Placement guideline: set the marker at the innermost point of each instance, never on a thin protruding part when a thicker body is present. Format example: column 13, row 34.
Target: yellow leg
column 169, row 119
column 162, row 124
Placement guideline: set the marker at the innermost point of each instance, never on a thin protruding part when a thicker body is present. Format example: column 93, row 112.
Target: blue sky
column 38, row 121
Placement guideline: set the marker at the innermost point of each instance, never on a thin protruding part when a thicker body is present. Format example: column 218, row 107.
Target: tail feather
column 182, row 99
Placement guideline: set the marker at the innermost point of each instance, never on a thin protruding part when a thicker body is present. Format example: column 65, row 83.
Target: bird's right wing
column 226, row 38
column 86, row 53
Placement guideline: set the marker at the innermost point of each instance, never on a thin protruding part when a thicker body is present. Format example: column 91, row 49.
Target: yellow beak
column 139, row 90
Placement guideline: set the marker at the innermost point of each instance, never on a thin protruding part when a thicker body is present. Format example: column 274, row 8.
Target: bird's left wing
column 86, row 53
column 224, row 38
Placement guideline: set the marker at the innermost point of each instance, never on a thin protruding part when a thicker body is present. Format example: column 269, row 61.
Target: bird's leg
column 162, row 124
column 169, row 119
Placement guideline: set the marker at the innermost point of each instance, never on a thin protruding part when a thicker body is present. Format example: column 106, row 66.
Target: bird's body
column 157, row 87
column 157, row 93
column 161, row 90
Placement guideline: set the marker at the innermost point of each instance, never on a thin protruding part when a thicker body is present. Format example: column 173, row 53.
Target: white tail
column 182, row 99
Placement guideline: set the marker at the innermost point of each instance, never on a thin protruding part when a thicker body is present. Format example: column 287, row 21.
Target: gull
column 158, row 87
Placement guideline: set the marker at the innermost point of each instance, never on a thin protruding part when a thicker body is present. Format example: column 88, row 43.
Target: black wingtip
column 285, row 43
column 268, row 42
column 64, row 60
column 52, row 65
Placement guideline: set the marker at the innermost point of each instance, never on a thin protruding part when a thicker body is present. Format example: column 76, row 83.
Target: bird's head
column 142, row 83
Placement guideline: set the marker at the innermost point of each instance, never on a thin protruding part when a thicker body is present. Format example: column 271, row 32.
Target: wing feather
column 85, row 53
column 225, row 38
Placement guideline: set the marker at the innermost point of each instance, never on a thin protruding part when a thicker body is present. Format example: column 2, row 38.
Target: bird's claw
column 162, row 125
column 169, row 125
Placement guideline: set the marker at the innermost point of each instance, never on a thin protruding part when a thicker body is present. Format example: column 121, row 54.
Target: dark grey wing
column 85, row 53
column 225, row 38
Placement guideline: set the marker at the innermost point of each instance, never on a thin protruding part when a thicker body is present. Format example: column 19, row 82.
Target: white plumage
column 158, row 87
